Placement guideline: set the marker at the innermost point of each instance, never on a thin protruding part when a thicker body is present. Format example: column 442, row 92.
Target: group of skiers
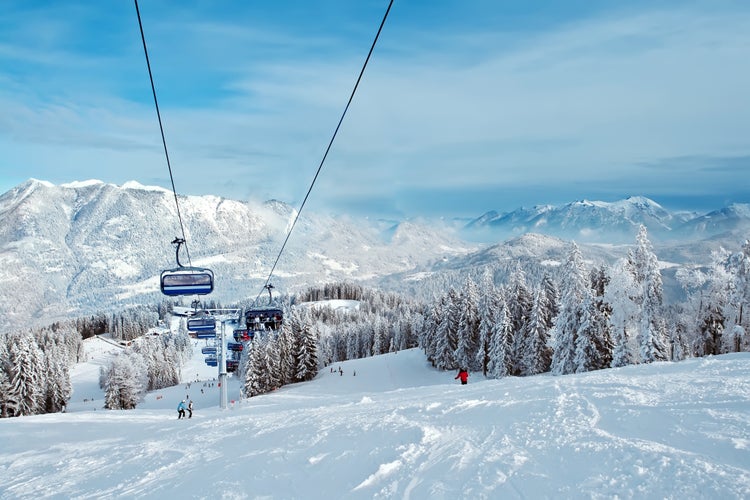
column 182, row 407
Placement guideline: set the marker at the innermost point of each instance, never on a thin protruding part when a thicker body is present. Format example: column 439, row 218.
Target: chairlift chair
column 186, row 280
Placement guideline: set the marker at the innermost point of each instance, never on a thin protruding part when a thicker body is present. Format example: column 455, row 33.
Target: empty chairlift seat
column 201, row 324
column 187, row 281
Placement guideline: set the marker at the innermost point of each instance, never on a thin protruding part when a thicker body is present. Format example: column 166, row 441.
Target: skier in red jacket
column 463, row 375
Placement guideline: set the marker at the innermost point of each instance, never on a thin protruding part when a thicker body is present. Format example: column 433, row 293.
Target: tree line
column 34, row 369
column 149, row 364
column 529, row 320
column 585, row 319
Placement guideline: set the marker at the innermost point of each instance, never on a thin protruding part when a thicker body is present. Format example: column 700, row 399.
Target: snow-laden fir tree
column 644, row 266
column 27, row 378
column 381, row 340
column 430, row 325
column 519, row 300
column 501, row 343
column 737, row 301
column 618, row 296
column 467, row 336
column 446, row 336
column 536, row 355
column 272, row 362
column 592, row 346
column 489, row 305
column 711, row 319
column 600, row 317
column 307, row 355
column 58, row 388
column 4, row 376
column 288, row 346
column 254, row 383
column 552, row 298
column 125, row 381
column 574, row 292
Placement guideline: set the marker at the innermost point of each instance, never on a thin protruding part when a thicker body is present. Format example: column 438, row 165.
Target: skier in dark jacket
column 181, row 409
column 190, row 409
column 463, row 375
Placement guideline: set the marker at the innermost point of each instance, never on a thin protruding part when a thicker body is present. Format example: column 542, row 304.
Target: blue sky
column 466, row 106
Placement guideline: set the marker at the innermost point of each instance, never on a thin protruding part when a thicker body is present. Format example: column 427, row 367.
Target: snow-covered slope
column 399, row 429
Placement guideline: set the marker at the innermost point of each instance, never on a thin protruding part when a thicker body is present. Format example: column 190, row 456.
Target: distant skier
column 190, row 409
column 463, row 375
column 181, row 409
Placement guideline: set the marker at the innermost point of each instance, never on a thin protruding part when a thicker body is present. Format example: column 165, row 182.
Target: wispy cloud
column 587, row 101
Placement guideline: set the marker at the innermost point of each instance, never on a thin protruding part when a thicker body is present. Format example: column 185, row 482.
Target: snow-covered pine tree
column 536, row 353
column 601, row 313
column 4, row 376
column 254, row 378
column 711, row 326
column 591, row 353
column 287, row 348
column 272, row 361
column 738, row 301
column 380, row 344
column 488, row 310
column 552, row 298
column 446, row 339
column 467, row 334
column 652, row 335
column 501, row 343
column 58, row 388
column 575, row 291
column 430, row 325
column 27, row 378
column 125, row 381
column 520, row 300
column 307, row 355
column 618, row 296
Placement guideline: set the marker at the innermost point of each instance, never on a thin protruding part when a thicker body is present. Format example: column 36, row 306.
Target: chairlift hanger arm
column 179, row 242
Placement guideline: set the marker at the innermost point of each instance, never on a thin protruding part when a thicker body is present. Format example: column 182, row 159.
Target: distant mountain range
column 598, row 221
column 82, row 247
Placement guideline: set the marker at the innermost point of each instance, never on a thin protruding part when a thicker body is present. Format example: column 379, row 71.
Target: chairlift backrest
column 187, row 281
column 201, row 324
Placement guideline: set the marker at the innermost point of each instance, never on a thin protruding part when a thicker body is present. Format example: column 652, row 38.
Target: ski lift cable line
column 163, row 139
column 328, row 149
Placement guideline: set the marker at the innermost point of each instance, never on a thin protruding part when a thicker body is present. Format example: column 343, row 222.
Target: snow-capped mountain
column 82, row 247
column 66, row 250
column 727, row 219
column 618, row 221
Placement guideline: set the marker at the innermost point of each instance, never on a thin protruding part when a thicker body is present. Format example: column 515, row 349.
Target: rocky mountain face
column 79, row 248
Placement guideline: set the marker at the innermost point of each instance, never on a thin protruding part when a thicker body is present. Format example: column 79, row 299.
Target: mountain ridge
column 66, row 250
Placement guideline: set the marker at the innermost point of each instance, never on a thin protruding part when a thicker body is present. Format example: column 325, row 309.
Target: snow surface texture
column 399, row 429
